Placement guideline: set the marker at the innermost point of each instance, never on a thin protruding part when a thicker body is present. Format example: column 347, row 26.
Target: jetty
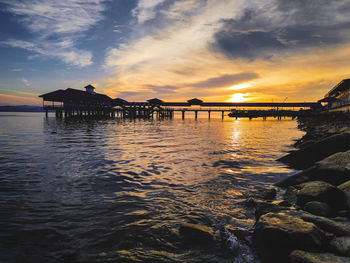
column 78, row 103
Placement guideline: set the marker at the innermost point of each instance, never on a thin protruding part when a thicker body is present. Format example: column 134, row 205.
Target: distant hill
column 21, row 108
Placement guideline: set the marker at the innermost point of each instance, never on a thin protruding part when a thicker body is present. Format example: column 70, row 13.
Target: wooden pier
column 79, row 103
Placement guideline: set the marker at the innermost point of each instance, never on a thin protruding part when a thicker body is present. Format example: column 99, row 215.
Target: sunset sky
column 215, row 50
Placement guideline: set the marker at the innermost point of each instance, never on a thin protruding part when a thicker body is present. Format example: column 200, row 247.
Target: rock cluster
column 311, row 222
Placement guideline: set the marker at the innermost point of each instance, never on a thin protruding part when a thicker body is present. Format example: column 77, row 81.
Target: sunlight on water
column 91, row 191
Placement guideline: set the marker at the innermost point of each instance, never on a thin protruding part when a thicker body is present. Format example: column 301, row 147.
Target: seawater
column 118, row 190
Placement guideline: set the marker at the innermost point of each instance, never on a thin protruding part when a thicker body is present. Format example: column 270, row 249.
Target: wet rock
column 298, row 178
column 299, row 256
column 265, row 207
column 318, row 208
column 345, row 187
column 290, row 195
column 197, row 234
column 277, row 234
column 308, row 156
column 322, row 192
column 281, row 203
column 240, row 233
column 327, row 224
column 333, row 170
column 250, row 202
column 269, row 194
column 341, row 245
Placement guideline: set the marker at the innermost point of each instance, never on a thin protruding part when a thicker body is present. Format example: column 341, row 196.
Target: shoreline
column 304, row 218
column 310, row 223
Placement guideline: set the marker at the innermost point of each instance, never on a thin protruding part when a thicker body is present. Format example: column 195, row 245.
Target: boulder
column 308, row 156
column 265, row 207
column 290, row 195
column 277, row 234
column 345, row 187
column 299, row 256
column 197, row 234
column 322, row 192
column 318, row 208
column 334, row 169
column 341, row 245
column 327, row 224
column 269, row 194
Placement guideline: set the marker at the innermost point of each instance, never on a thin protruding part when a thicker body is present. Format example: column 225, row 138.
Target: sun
column 238, row 97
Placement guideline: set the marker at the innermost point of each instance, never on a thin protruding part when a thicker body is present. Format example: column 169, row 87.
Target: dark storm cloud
column 225, row 80
column 298, row 24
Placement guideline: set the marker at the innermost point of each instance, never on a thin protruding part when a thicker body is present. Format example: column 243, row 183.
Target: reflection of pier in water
column 78, row 103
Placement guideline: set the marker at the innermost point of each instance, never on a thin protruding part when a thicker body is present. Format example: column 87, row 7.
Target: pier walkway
column 79, row 103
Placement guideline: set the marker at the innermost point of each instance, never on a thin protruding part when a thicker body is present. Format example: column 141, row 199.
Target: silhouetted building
column 338, row 98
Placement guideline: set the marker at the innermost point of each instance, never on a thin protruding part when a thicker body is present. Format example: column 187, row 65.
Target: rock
column 343, row 213
column 265, row 207
column 318, row 208
column 345, row 187
column 327, row 224
column 290, row 195
column 197, row 234
column 281, row 203
column 240, row 233
column 322, row 192
column 341, row 245
column 277, row 234
column 298, row 178
column 250, row 202
column 333, row 169
column 269, row 194
column 337, row 161
column 308, row 156
column 299, row 256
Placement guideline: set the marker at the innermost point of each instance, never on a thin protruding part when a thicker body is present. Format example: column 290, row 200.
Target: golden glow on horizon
column 238, row 97
column 240, row 86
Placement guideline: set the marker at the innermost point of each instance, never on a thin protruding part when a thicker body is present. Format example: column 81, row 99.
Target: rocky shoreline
column 304, row 218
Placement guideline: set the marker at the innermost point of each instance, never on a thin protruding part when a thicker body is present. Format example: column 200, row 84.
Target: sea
column 118, row 190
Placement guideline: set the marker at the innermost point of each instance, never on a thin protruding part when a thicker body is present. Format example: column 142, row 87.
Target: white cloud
column 69, row 55
column 16, row 69
column 146, row 10
column 56, row 17
column 65, row 21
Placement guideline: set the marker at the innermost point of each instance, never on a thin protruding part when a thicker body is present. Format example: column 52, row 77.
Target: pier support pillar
column 195, row 114
column 209, row 114
column 46, row 113
column 183, row 114
column 222, row 114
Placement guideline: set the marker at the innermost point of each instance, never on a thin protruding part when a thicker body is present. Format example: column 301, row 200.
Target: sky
column 174, row 50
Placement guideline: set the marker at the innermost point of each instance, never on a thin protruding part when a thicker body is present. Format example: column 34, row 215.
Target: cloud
column 57, row 26
column 167, row 89
column 285, row 26
column 16, row 69
column 225, row 80
column 58, row 50
column 146, row 10
column 50, row 17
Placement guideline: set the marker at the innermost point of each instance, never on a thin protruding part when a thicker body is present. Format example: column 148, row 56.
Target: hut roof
column 155, row 101
column 57, row 95
column 195, row 101
column 119, row 102
column 89, row 87
column 74, row 94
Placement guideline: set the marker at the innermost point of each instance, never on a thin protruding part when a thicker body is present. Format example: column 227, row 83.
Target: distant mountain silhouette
column 21, row 108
